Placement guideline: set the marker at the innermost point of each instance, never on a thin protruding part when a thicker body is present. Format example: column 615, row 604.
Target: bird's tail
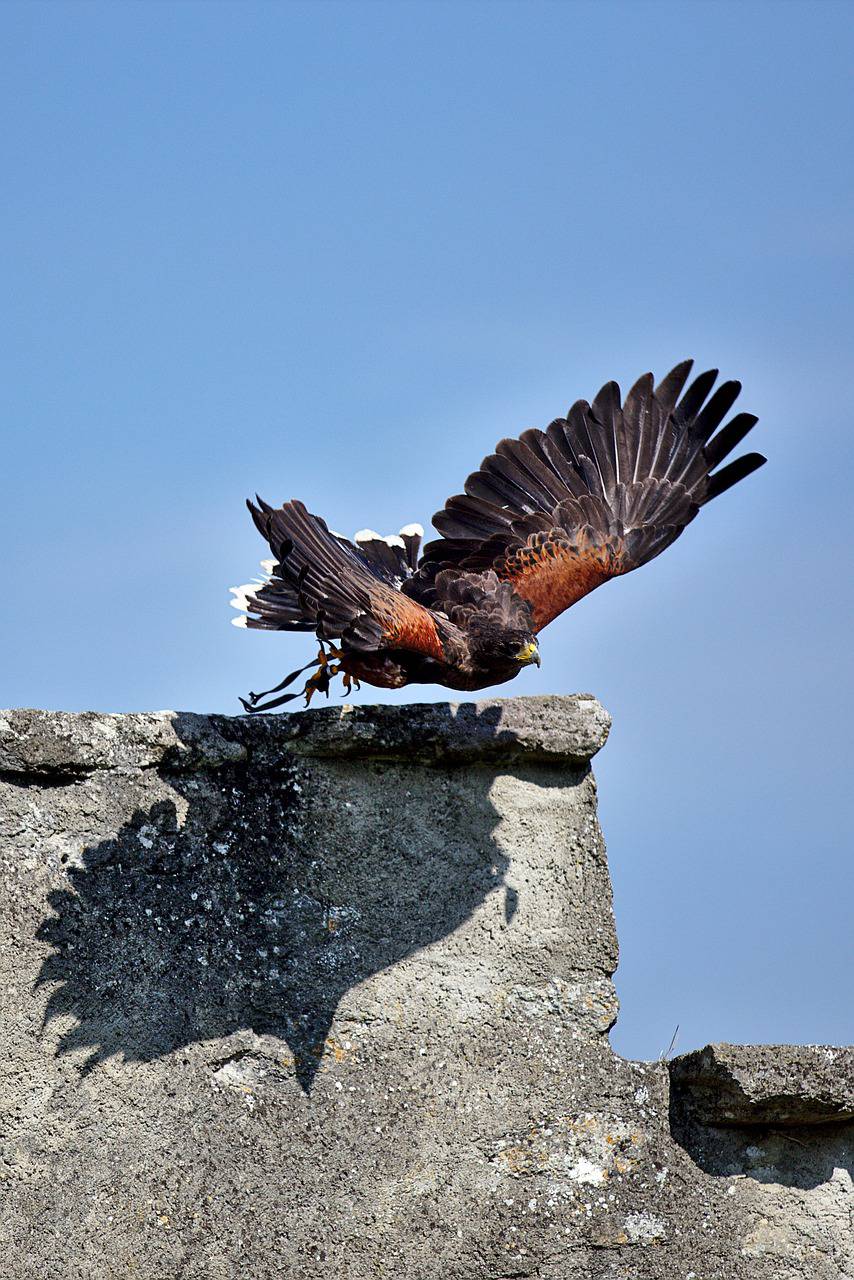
column 318, row 580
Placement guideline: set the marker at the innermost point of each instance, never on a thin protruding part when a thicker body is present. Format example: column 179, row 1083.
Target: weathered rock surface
column 766, row 1084
column 332, row 991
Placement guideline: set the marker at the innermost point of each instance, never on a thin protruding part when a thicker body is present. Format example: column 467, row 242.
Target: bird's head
column 510, row 645
column 528, row 652
column 498, row 622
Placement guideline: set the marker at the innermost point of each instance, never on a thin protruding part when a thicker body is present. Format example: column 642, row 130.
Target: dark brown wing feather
column 322, row 582
column 599, row 493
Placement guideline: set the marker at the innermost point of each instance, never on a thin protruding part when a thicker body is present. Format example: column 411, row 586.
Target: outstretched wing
column 319, row 581
column 599, row 493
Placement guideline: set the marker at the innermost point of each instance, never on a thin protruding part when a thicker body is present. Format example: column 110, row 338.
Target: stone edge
column 759, row 1085
column 566, row 729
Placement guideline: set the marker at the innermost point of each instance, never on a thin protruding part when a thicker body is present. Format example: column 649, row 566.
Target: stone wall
column 330, row 992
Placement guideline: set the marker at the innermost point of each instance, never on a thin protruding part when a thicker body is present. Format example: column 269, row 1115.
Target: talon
column 325, row 656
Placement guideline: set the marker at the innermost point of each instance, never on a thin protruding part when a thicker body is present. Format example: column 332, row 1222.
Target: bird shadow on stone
column 254, row 895
column 803, row 1156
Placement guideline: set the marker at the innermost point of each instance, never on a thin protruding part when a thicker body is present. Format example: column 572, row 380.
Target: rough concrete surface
column 330, row 992
column 778, row 1084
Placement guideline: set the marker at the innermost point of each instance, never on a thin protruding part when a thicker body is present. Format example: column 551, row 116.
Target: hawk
column 547, row 518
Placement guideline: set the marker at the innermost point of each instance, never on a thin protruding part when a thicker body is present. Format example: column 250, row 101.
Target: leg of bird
column 320, row 681
column 333, row 654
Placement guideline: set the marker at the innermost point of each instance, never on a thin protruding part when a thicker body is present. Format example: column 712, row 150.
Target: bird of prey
column 546, row 519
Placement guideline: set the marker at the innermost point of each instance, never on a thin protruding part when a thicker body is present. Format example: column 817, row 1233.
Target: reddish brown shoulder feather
column 553, row 574
column 405, row 623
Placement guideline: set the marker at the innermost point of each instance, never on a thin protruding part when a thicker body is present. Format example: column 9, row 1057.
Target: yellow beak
column 528, row 653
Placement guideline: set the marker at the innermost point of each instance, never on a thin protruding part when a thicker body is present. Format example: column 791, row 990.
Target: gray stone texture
column 778, row 1084
column 330, row 993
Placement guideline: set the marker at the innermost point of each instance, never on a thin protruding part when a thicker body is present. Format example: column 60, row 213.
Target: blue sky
column 336, row 252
